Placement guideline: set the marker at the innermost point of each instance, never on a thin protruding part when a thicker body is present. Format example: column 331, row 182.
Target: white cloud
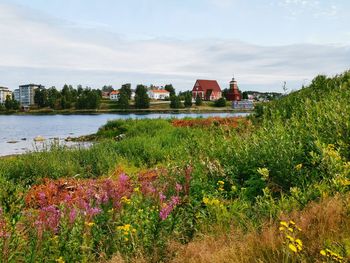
column 314, row 8
column 55, row 53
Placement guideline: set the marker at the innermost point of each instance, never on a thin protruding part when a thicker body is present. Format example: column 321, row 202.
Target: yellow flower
column 60, row 260
column 299, row 242
column 282, row 228
column 264, row 172
column 125, row 200
column 136, row 189
column 290, row 238
column 126, row 239
column 205, row 200
column 299, row 166
column 221, row 182
column 89, row 224
column 290, row 229
column 284, row 223
column 293, row 248
column 323, row 253
column 126, row 233
column 215, row 202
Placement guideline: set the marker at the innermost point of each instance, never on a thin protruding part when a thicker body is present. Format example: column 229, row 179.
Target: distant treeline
column 68, row 97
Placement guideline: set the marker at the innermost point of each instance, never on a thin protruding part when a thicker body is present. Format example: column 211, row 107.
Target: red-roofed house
column 207, row 90
column 114, row 95
column 159, row 94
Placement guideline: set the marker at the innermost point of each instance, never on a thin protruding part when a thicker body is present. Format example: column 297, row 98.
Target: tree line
column 68, row 98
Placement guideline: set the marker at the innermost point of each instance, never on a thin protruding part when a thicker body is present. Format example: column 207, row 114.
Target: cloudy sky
column 97, row 42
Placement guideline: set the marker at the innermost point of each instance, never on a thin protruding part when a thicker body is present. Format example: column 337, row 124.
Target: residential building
column 114, row 95
column 133, row 93
column 233, row 94
column 105, row 94
column 160, row 94
column 16, row 94
column 4, row 92
column 26, row 94
column 207, row 90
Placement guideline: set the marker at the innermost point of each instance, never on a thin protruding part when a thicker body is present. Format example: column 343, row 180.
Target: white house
column 4, row 92
column 114, row 95
column 158, row 94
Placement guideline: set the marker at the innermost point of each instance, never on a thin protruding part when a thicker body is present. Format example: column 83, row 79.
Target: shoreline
column 129, row 111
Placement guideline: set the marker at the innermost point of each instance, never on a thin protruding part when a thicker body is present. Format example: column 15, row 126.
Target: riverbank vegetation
column 273, row 188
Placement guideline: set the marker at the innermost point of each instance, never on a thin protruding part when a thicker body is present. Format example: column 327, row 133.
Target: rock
column 39, row 139
column 119, row 137
column 24, row 139
column 68, row 139
column 12, row 142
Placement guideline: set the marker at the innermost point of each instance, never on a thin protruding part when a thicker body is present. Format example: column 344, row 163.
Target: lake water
column 17, row 132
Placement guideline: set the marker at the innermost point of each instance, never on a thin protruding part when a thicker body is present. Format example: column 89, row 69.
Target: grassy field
column 273, row 188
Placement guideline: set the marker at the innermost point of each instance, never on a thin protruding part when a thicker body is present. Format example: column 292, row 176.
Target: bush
column 220, row 102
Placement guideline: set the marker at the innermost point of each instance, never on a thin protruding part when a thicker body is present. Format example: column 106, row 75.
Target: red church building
column 233, row 94
column 207, row 90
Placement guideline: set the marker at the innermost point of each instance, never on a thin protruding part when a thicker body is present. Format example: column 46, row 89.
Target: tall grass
column 243, row 179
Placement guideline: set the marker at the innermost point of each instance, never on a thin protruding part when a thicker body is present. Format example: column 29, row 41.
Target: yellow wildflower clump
column 290, row 230
column 126, row 230
column 89, row 224
column 264, row 172
column 221, row 185
column 331, row 255
column 125, row 200
column 213, row 201
column 60, row 260
column 299, row 166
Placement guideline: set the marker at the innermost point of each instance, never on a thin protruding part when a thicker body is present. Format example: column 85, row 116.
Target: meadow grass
column 194, row 191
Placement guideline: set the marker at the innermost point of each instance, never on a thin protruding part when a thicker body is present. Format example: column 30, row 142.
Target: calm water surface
column 21, row 130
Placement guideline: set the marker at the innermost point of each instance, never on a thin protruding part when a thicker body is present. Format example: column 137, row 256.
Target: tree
column 170, row 88
column 106, row 88
column 41, row 97
column 199, row 100
column 123, row 100
column 53, row 98
column 141, row 97
column 11, row 103
column 225, row 93
column 175, row 102
column 188, row 100
column 245, row 95
column 220, row 102
column 8, row 103
column 126, row 88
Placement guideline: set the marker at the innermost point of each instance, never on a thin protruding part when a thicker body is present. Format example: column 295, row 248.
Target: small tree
column 220, row 102
column 170, row 88
column 188, row 100
column 123, row 100
column 199, row 100
column 245, row 95
column 8, row 103
column 141, row 97
column 175, row 102
column 126, row 88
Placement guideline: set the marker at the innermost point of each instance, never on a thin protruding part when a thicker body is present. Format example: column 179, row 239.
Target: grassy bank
column 264, row 188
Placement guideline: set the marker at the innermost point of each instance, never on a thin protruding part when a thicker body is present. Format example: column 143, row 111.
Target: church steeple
column 234, row 93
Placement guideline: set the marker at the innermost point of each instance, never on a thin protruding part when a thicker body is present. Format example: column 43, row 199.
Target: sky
column 110, row 42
